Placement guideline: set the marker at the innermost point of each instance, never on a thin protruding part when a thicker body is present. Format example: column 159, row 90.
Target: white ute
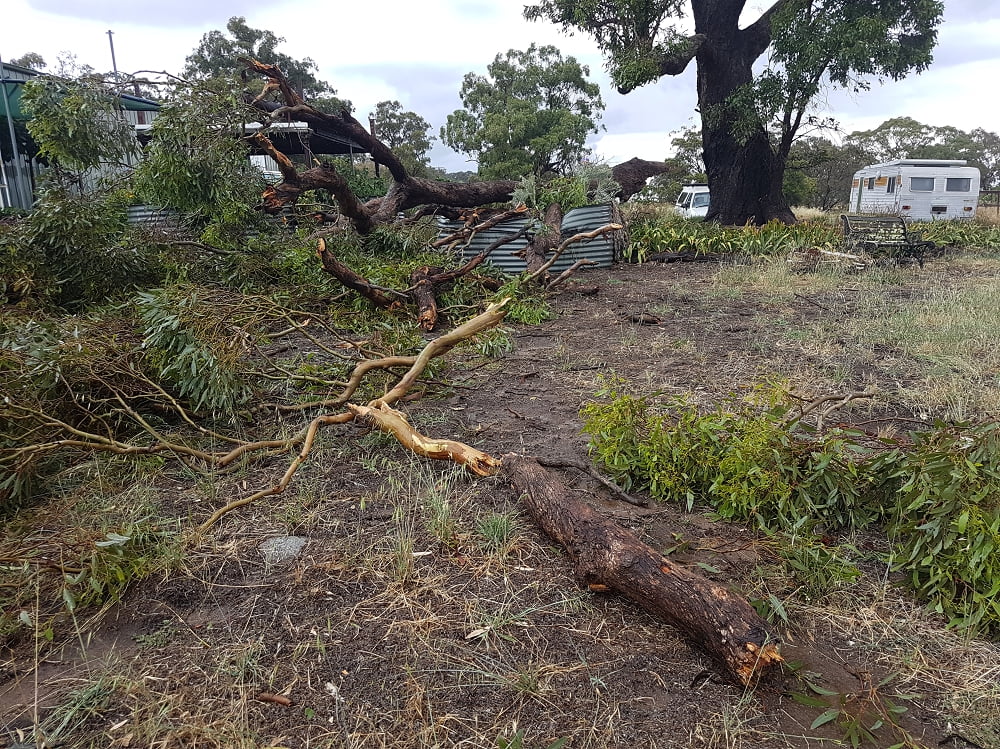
column 693, row 201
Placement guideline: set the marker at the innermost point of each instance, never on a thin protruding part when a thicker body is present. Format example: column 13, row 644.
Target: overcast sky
column 417, row 52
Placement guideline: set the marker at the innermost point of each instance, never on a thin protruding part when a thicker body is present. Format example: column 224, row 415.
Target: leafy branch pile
column 936, row 493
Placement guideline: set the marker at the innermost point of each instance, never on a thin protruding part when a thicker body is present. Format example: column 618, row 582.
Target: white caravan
column 693, row 201
column 921, row 189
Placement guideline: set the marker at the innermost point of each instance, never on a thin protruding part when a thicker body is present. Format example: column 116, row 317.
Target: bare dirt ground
column 426, row 610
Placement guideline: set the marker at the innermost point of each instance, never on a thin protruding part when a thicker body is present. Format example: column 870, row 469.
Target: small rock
column 282, row 548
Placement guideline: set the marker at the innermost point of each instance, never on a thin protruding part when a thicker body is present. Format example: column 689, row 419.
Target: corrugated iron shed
column 602, row 250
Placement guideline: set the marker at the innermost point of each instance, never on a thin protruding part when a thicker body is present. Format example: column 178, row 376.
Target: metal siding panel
column 586, row 218
column 148, row 215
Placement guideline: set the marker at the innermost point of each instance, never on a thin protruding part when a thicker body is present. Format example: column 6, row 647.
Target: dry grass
column 929, row 341
column 957, row 678
column 428, row 611
column 988, row 216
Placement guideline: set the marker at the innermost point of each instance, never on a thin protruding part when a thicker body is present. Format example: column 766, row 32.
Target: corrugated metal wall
column 147, row 215
column 602, row 250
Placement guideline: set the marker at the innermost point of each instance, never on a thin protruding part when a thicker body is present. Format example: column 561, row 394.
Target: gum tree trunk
column 744, row 173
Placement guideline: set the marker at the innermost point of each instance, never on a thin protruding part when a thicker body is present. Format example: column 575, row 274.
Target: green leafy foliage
column 406, row 135
column 52, row 370
column 744, row 459
column 531, row 114
column 527, row 306
column 905, row 138
column 217, row 56
column 965, row 234
column 935, row 493
column 193, row 348
column 655, row 234
column 77, row 123
column 82, row 247
column 585, row 184
column 817, row 567
column 117, row 560
column 196, row 162
column 945, row 520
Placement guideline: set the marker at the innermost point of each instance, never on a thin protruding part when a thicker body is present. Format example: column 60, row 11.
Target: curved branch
column 288, row 171
column 566, row 243
column 390, row 420
column 758, row 35
column 374, row 294
column 342, row 124
column 487, row 319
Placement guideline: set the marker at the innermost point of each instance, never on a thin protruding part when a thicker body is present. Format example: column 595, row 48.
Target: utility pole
column 114, row 65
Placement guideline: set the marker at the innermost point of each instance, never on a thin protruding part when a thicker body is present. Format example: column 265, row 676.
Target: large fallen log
column 605, row 555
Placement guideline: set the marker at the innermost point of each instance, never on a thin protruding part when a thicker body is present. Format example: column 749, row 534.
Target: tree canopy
column 31, row 60
column 406, row 134
column 77, row 123
column 905, row 138
column 808, row 45
column 531, row 114
column 218, row 55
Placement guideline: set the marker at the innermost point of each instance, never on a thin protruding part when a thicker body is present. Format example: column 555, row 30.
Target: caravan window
column 921, row 184
column 871, row 183
column 958, row 184
column 890, row 186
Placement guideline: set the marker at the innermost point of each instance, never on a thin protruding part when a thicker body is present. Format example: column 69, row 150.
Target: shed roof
column 291, row 138
column 14, row 77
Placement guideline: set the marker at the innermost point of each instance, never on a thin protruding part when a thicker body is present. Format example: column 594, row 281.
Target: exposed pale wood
column 390, row 420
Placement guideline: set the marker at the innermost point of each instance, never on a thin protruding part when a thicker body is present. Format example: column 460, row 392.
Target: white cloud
column 417, row 52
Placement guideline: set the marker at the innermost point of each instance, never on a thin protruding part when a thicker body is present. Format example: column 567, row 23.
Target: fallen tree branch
column 566, row 243
column 836, row 401
column 600, row 478
column 487, row 319
column 377, row 295
column 604, row 554
column 569, row 272
column 390, row 420
column 467, row 232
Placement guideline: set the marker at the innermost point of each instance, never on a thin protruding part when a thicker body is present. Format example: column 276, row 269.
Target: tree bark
column 604, row 554
column 422, row 289
column 379, row 297
column 744, row 174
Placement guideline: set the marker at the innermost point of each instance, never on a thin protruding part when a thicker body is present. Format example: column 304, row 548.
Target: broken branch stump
column 390, row 420
column 604, row 554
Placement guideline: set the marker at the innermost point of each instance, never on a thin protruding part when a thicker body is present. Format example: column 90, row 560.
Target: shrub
column 654, row 235
column 80, row 249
